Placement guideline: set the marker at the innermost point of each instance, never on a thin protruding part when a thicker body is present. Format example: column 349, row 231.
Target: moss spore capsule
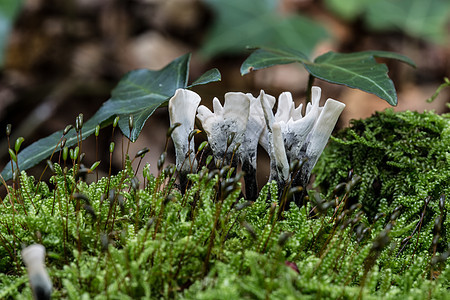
column 116, row 121
column 338, row 189
column 142, row 152
column 131, row 122
column 81, row 196
column 50, row 166
column 161, row 160
column 438, row 224
column 442, row 202
column 8, row 129
column 172, row 128
column 243, row 205
column 284, row 237
column 112, row 196
column 67, row 129
column 350, row 175
column 12, row 155
column 355, row 206
column 90, row 210
column 230, row 138
column 18, row 143
column 294, row 166
column 188, row 153
column 249, row 229
column 15, row 175
column 65, row 153
column 76, row 152
column 135, row 183
column 94, row 165
column 202, row 145
column 294, row 190
column 104, row 240
column 379, row 216
column 150, row 222
column 97, row 130
column 192, row 134
column 79, row 122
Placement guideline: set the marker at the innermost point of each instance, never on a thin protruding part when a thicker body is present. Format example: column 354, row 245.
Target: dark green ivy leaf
column 238, row 24
column 421, row 19
column 139, row 93
column 212, row 75
column 8, row 13
column 357, row 70
column 267, row 57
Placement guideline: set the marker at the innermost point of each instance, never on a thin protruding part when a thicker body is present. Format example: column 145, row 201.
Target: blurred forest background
column 62, row 58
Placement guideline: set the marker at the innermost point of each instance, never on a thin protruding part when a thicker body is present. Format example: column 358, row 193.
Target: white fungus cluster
column 287, row 135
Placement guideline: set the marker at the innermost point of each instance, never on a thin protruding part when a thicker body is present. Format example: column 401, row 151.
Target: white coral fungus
column 225, row 122
column 182, row 108
column 304, row 137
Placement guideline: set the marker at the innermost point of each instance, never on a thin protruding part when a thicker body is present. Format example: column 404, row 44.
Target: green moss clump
column 117, row 239
column 404, row 161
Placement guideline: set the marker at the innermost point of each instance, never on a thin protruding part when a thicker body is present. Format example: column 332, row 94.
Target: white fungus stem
column 320, row 133
column 182, row 108
column 279, row 166
column 34, row 256
column 226, row 121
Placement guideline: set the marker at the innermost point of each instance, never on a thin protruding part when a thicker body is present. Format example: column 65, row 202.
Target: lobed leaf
column 212, row 75
column 267, row 57
column 139, row 93
column 238, row 24
column 8, row 12
column 421, row 19
column 349, row 9
column 417, row 18
column 357, row 70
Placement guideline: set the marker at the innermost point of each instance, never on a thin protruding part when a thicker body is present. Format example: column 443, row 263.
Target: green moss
column 397, row 155
column 112, row 239
column 404, row 161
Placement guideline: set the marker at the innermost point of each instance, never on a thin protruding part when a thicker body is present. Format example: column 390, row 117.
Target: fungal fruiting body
column 295, row 131
column 235, row 129
column 318, row 138
column 279, row 166
column 226, row 126
column 303, row 138
column 33, row 256
column 256, row 125
column 182, row 109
